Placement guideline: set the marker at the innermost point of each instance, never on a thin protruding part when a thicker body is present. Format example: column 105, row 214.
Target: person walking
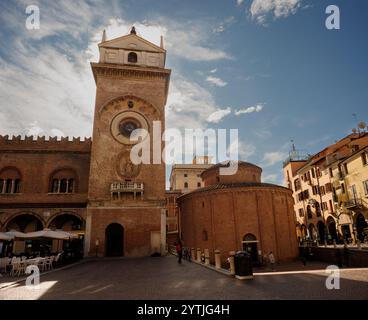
column 179, row 251
column 271, row 258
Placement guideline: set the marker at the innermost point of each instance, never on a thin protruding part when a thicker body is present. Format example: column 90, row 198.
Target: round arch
column 331, row 227
column 59, row 174
column 67, row 221
column 114, row 240
column 361, row 226
column 321, row 231
column 129, row 96
column 24, row 222
column 250, row 245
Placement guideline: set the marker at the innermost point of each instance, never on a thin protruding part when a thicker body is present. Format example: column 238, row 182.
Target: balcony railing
column 118, row 188
column 352, row 203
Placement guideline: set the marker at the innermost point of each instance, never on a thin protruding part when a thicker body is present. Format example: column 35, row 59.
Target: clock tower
column 125, row 214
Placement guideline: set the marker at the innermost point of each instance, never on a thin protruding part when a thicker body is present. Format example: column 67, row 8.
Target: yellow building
column 187, row 177
column 350, row 181
column 315, row 190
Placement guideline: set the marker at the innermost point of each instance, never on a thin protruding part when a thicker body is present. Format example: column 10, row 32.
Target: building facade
column 187, row 177
column 316, row 187
column 239, row 212
column 120, row 205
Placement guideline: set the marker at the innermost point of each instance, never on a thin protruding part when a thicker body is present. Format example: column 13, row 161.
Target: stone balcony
column 117, row 189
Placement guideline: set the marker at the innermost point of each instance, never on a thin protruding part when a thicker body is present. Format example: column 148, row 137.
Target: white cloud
column 271, row 158
column 260, row 10
column 216, row 81
column 218, row 115
column 245, row 149
column 256, row 108
column 213, row 70
column 239, row 2
column 49, row 87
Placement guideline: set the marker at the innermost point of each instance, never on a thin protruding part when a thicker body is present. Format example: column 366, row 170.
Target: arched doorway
column 361, row 227
column 73, row 224
column 114, row 240
column 27, row 222
column 321, row 231
column 312, row 232
column 331, row 226
column 250, row 244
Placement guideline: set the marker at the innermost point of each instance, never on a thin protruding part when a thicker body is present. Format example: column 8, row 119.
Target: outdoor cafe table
column 34, row 261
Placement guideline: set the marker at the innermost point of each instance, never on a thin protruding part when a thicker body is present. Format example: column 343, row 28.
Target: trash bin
column 243, row 265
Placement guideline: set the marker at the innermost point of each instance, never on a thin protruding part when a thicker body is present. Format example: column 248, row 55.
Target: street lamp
column 97, row 243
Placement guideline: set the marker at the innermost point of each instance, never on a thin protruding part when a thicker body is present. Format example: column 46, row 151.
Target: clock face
column 127, row 126
column 124, row 124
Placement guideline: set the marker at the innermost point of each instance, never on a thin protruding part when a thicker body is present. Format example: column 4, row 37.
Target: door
column 114, row 240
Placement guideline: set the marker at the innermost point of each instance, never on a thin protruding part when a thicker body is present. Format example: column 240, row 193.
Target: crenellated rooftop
column 53, row 144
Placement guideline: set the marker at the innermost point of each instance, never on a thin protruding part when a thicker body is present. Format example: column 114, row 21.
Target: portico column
column 206, row 257
column 199, row 254
column 87, row 237
column 232, row 262
column 217, row 259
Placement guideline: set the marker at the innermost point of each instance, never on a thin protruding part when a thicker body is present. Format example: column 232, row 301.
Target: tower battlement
column 43, row 143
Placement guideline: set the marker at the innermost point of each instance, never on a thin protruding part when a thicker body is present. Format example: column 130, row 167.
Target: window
column 328, row 187
column 185, row 175
column 198, row 184
column 343, row 188
column 297, row 185
column 323, row 190
column 324, row 206
column 10, row 181
column 364, row 158
column 132, row 57
column 331, row 173
column 186, row 185
column 331, row 206
column 301, row 212
column 346, row 168
column 365, row 185
column 313, row 173
column 63, row 181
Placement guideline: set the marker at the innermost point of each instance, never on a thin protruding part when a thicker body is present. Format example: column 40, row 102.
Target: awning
column 50, row 234
column 4, row 236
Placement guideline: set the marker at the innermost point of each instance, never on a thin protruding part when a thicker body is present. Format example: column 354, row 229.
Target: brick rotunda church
column 93, row 189
column 239, row 212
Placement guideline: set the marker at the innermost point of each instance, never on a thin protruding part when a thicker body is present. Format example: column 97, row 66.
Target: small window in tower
column 132, row 57
column 185, row 185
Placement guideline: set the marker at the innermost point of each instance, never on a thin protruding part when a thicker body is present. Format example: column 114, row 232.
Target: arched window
column 10, row 181
column 132, row 57
column 186, row 185
column 63, row 181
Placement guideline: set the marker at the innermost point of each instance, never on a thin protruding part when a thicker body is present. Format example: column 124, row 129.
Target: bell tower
column 131, row 92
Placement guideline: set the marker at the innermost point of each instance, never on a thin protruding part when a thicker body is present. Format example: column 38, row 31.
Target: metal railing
column 353, row 203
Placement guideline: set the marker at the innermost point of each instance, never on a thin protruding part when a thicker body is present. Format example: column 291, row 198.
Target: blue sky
column 274, row 61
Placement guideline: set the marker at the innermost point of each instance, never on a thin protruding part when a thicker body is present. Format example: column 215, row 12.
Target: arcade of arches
column 29, row 222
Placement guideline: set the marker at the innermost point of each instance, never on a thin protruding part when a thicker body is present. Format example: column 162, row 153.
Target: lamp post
column 97, row 243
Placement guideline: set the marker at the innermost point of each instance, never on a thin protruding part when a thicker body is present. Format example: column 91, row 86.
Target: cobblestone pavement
column 163, row 278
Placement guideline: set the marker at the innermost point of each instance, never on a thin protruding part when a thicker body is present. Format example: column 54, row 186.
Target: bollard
column 325, row 243
column 317, row 243
column 193, row 254
column 359, row 245
column 217, row 259
column 232, row 262
column 199, row 255
column 334, row 243
column 206, row 257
